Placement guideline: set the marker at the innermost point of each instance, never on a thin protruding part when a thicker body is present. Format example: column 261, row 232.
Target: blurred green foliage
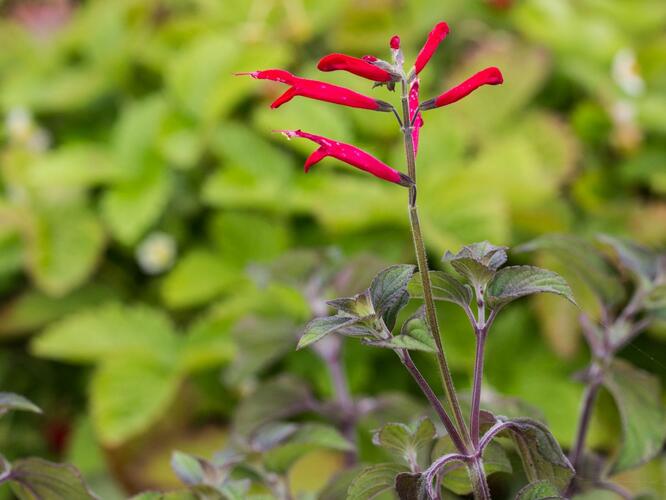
column 143, row 197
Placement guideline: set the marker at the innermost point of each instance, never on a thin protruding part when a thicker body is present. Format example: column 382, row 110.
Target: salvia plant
column 475, row 279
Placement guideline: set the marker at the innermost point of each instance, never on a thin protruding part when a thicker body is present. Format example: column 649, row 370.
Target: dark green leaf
column 484, row 253
column 514, row 282
column 10, row 401
column 585, row 260
column 540, row 452
column 477, row 262
column 540, row 490
column 408, row 486
column 638, row 398
column 388, row 292
column 414, row 335
column 444, row 287
column 373, row 480
column 34, row 478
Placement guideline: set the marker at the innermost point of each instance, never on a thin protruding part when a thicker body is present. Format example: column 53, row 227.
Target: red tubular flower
column 395, row 42
column 315, row 89
column 413, row 110
column 360, row 67
column 435, row 37
column 348, row 154
column 488, row 76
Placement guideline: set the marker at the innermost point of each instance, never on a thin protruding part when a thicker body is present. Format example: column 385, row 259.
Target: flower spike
column 361, row 67
column 348, row 154
column 315, row 89
column 488, row 76
column 435, row 37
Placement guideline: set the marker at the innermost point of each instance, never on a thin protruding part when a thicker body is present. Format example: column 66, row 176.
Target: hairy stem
column 477, row 476
column 434, row 401
column 422, row 261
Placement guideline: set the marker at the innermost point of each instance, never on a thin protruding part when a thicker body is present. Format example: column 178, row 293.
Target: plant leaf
column 539, row 490
column 388, row 292
column 585, row 260
column 640, row 261
column 107, row 331
column 477, row 262
column 189, row 469
column 540, row 452
column 637, row 395
column 444, row 287
column 198, row 277
column 374, row 480
column 511, row 283
column 456, row 478
column 10, row 401
column 65, row 248
column 359, row 305
column 33, row 478
column 408, row 486
column 410, row 445
column 414, row 335
column 281, row 397
column 318, row 328
column 121, row 407
column 307, row 438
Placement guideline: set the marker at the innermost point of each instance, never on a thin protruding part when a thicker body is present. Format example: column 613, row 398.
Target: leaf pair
column 367, row 314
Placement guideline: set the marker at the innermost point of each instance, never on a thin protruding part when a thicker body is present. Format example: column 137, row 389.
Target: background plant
column 130, row 94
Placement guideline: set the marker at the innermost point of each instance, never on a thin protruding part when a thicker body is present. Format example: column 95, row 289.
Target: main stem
column 422, row 261
column 475, row 416
column 477, row 476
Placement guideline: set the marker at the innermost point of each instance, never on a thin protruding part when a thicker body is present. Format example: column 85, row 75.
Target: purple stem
column 433, row 399
column 585, row 414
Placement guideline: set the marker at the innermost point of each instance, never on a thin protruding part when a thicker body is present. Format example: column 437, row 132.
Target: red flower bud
column 488, row 76
column 348, row 154
column 360, row 67
column 395, row 42
column 413, row 110
column 435, row 37
column 315, row 89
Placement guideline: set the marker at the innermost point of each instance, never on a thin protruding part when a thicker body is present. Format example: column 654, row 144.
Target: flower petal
column 360, row 67
column 351, row 155
column 322, row 91
column 413, row 110
column 488, row 76
column 435, row 37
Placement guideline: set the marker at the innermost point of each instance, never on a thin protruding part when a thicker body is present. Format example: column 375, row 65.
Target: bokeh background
column 143, row 194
